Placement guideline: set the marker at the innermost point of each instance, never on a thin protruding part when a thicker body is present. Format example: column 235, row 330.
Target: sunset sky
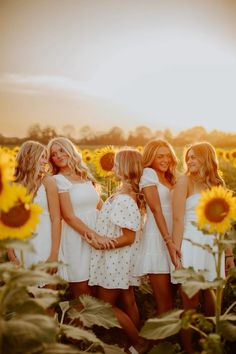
column 103, row 63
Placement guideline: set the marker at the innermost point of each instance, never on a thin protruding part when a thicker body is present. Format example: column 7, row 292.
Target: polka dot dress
column 113, row 269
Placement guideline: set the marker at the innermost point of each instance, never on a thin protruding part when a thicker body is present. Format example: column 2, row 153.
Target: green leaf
column 228, row 330
column 97, row 312
column 163, row 326
column 58, row 348
column 43, row 296
column 23, row 334
column 191, row 287
column 162, row 348
column 80, row 334
column 112, row 349
column 16, row 244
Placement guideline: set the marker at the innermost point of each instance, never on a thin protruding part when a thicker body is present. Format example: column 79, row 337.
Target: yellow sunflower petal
column 216, row 209
column 104, row 161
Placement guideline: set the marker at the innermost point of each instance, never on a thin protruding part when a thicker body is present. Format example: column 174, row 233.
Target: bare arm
column 179, row 201
column 55, row 216
column 153, row 200
column 78, row 225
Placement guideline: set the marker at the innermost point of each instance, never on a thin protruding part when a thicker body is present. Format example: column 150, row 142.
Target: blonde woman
column 30, row 172
column 201, row 173
column 157, row 249
column 79, row 201
column 120, row 218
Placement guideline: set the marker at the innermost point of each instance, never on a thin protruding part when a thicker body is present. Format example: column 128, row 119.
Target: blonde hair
column 75, row 162
column 208, row 172
column 150, row 152
column 27, row 171
column 130, row 172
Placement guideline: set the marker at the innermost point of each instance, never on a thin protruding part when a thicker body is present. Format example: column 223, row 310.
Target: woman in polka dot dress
column 120, row 218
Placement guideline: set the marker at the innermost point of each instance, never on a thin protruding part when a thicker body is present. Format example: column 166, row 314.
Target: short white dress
column 113, row 269
column 193, row 255
column 153, row 256
column 75, row 252
column 41, row 240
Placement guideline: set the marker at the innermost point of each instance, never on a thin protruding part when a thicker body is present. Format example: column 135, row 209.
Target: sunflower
column 216, row 209
column 139, row 148
column 21, row 219
column 233, row 155
column 220, row 152
column 88, row 157
column 104, row 161
column 7, row 197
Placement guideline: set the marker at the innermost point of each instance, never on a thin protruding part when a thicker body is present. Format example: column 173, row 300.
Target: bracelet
column 229, row 256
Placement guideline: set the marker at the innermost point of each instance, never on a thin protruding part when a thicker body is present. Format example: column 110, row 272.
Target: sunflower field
column 37, row 320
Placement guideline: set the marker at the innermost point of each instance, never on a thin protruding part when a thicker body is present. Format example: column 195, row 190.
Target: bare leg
column 79, row 288
column 111, row 296
column 162, row 290
column 130, row 306
column 208, row 303
column 186, row 335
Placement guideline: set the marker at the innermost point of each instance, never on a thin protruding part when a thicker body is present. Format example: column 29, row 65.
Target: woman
column 157, row 249
column 79, row 201
column 120, row 217
column 30, row 172
column 202, row 173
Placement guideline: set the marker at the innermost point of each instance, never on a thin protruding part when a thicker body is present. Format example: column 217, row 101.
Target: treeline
column 116, row 136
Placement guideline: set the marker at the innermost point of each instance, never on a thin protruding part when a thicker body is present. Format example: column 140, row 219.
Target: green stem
column 219, row 290
column 230, row 308
column 198, row 330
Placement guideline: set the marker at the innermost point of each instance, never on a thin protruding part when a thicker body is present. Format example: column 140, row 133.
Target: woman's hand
column 229, row 263
column 100, row 242
column 12, row 257
column 174, row 253
column 53, row 259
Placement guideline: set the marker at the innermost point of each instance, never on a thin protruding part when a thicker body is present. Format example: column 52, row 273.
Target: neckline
column 169, row 189
column 74, row 182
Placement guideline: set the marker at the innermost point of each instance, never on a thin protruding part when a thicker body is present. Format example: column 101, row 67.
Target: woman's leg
column 130, row 306
column 209, row 305
column 111, row 296
column 79, row 288
column 186, row 335
column 162, row 290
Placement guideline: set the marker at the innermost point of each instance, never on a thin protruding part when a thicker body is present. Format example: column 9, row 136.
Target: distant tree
column 47, row 134
column 34, row 132
column 69, row 131
column 139, row 136
column 189, row 136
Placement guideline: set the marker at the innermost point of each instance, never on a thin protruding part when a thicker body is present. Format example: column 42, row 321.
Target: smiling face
column 42, row 161
column 162, row 159
column 192, row 161
column 59, row 156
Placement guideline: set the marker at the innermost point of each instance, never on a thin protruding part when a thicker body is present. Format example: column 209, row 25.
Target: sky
column 104, row 63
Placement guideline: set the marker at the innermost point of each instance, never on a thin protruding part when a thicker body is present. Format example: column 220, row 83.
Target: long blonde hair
column 130, row 171
column 150, row 152
column 28, row 169
column 208, row 172
column 75, row 162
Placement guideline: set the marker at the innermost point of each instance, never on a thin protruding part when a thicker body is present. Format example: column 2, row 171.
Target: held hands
column 53, row 259
column 100, row 242
column 174, row 253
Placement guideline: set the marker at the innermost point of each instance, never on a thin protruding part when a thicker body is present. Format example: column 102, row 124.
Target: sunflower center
column 17, row 216
column 216, row 210
column 107, row 161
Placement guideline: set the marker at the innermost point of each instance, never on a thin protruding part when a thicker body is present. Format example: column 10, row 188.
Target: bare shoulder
column 182, row 180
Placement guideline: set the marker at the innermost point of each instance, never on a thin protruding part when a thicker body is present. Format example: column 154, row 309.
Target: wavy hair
column 130, row 171
column 149, row 153
column 28, row 170
column 75, row 162
column 208, row 172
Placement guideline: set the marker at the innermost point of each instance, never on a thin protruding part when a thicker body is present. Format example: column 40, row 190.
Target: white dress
column 113, row 269
column 41, row 241
column 75, row 252
column 193, row 255
column 153, row 256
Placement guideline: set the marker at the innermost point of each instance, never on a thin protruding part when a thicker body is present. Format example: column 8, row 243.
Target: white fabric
column 195, row 256
column 113, row 269
column 153, row 256
column 75, row 252
column 41, row 240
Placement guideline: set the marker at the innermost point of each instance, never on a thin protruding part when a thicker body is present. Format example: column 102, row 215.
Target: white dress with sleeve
column 153, row 256
column 41, row 241
column 75, row 252
column 113, row 269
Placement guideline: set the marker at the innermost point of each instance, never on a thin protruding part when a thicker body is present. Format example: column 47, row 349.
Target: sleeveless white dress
column 153, row 256
column 75, row 252
column 113, row 269
column 41, row 240
column 193, row 255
